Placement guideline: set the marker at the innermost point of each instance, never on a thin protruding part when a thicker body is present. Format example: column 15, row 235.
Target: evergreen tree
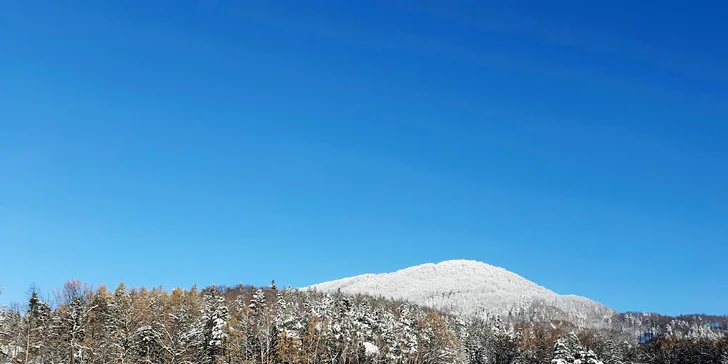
column 586, row 357
column 407, row 333
column 476, row 344
column 147, row 344
column 562, row 353
column 36, row 320
column 215, row 317
column 612, row 352
column 503, row 348
column 12, row 327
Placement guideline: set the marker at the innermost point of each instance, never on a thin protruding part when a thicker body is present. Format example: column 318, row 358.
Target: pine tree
column 406, row 330
column 587, row 357
column 147, row 343
column 12, row 327
column 503, row 347
column 215, row 317
column 36, row 321
column 721, row 347
column 562, row 354
column 476, row 344
column 612, row 353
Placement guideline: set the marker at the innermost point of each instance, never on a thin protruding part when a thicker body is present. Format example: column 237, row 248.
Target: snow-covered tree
column 121, row 324
column 3, row 328
column 562, row 353
column 586, row 357
column 613, row 353
column 477, row 341
column 214, row 321
column 342, row 340
column 36, row 321
column 11, row 344
column 71, row 325
column 147, row 344
column 241, row 339
column 389, row 338
column 261, row 324
column 181, row 333
column 503, row 345
column 438, row 343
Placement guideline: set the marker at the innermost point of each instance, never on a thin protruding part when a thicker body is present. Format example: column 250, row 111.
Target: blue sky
column 578, row 144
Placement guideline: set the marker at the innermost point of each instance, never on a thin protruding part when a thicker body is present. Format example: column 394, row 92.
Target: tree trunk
column 27, row 341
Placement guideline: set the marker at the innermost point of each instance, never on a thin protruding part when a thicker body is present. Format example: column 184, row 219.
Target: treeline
column 692, row 326
column 270, row 325
column 223, row 325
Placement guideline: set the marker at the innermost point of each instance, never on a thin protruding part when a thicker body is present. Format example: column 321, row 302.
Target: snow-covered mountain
column 473, row 288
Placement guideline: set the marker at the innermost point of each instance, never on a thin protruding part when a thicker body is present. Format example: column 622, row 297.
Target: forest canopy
column 246, row 324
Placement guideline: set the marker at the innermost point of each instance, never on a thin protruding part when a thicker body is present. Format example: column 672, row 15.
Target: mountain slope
column 474, row 288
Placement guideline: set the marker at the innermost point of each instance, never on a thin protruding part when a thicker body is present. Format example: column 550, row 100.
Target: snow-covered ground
column 473, row 288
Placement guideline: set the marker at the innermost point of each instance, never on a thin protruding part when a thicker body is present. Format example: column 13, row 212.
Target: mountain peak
column 472, row 288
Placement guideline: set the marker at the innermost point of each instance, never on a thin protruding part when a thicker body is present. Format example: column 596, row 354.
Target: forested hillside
column 472, row 288
column 270, row 325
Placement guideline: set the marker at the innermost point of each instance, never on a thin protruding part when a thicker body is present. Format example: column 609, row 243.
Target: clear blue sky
column 580, row 144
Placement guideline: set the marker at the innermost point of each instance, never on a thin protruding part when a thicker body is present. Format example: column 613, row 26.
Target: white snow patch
column 370, row 349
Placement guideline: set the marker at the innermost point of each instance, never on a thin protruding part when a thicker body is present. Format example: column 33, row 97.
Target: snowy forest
column 268, row 325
